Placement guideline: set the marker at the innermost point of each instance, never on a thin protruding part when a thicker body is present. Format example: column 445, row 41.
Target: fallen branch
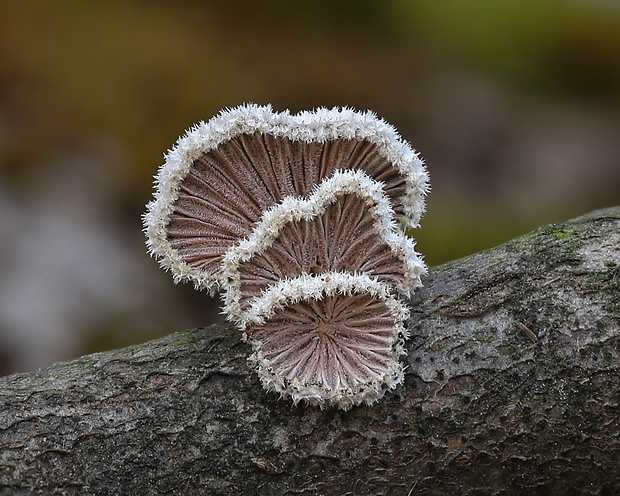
column 512, row 386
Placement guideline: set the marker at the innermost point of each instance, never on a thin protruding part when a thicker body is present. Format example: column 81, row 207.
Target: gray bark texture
column 512, row 387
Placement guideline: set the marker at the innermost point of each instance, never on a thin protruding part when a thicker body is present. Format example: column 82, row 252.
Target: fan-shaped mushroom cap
column 332, row 339
column 254, row 202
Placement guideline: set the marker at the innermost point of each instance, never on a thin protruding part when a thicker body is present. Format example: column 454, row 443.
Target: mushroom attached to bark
column 300, row 221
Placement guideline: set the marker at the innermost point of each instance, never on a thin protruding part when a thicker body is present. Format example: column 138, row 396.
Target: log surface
column 512, row 387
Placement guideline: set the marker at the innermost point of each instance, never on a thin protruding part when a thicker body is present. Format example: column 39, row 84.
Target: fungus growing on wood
column 300, row 221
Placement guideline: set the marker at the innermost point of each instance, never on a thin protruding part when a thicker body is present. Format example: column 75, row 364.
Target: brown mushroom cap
column 338, row 342
column 227, row 189
column 343, row 238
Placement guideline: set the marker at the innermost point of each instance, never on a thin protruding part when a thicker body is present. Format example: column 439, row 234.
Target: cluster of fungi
column 299, row 220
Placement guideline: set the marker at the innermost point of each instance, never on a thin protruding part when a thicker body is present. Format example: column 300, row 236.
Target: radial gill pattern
column 299, row 220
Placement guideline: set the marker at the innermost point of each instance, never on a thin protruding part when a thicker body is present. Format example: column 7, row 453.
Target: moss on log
column 512, row 386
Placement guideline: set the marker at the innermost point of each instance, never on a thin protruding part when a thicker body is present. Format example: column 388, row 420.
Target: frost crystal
column 300, row 220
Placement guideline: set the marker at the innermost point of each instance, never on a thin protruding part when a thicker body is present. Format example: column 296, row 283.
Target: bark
column 512, row 386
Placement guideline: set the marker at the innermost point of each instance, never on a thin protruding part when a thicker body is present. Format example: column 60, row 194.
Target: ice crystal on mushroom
column 300, row 220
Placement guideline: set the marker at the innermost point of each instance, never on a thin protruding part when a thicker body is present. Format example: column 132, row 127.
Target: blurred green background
column 515, row 106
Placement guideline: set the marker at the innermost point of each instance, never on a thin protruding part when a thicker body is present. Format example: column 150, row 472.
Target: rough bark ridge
column 512, row 387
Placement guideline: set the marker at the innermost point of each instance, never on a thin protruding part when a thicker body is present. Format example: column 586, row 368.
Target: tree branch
column 512, row 385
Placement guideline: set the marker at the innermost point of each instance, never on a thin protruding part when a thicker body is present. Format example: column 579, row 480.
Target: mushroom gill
column 299, row 219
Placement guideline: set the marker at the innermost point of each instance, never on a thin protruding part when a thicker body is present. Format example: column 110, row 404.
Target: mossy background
column 514, row 105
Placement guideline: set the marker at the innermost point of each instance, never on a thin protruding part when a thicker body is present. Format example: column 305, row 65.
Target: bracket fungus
column 299, row 219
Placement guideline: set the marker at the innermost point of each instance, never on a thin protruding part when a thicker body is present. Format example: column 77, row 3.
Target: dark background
column 515, row 106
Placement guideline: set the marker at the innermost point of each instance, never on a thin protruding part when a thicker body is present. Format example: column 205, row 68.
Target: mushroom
column 299, row 219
